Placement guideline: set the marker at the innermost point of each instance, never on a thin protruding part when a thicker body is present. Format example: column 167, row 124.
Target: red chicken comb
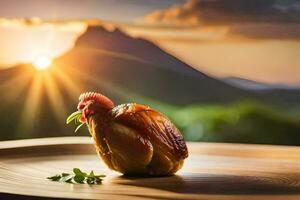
column 97, row 97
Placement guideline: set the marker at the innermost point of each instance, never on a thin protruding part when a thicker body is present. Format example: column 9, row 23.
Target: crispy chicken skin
column 135, row 139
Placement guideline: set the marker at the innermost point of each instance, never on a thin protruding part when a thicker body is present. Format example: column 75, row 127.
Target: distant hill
column 287, row 95
column 258, row 86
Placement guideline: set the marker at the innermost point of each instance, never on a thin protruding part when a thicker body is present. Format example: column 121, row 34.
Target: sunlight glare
column 42, row 62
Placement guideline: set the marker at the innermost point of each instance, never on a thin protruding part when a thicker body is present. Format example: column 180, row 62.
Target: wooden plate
column 212, row 171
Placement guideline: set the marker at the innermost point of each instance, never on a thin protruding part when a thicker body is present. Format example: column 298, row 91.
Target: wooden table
column 212, row 171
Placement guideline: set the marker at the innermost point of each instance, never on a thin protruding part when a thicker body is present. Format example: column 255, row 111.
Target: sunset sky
column 254, row 39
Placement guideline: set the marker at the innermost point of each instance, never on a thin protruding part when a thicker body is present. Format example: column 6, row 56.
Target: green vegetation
column 245, row 122
column 78, row 176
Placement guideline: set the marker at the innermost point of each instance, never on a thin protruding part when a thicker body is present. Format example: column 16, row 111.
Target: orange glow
column 21, row 42
column 43, row 62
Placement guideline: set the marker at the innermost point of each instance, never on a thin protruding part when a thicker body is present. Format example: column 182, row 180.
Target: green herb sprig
column 75, row 116
column 78, row 176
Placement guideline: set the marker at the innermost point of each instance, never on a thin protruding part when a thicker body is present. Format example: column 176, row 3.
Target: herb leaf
column 75, row 116
column 55, row 177
column 78, row 127
column 67, row 178
column 78, row 172
column 91, row 174
column 79, row 179
column 78, row 176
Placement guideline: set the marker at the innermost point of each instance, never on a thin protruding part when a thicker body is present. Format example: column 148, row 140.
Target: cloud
column 266, row 31
column 37, row 23
column 227, row 12
column 256, row 18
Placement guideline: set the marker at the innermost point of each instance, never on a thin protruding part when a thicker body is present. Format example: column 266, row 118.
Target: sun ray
column 30, row 112
column 55, row 97
column 15, row 85
column 73, row 89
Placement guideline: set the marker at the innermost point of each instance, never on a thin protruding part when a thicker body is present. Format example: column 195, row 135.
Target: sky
column 110, row 10
column 253, row 39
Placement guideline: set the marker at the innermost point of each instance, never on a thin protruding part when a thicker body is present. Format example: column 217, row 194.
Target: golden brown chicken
column 131, row 138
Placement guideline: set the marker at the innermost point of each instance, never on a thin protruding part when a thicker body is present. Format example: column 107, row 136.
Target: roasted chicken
column 131, row 138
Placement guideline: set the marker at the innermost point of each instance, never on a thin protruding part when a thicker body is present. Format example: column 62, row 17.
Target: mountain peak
column 99, row 34
column 118, row 41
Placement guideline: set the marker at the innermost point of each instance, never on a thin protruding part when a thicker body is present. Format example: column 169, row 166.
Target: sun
column 42, row 62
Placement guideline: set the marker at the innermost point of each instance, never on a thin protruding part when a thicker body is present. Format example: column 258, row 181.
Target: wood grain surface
column 212, row 171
